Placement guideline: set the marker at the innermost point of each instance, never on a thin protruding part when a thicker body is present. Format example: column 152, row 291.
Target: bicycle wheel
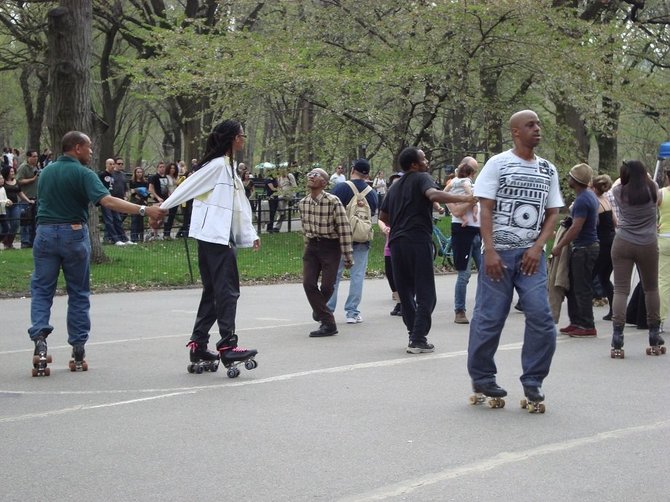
column 434, row 250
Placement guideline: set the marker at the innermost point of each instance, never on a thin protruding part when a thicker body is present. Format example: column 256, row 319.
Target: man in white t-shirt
column 338, row 176
column 520, row 196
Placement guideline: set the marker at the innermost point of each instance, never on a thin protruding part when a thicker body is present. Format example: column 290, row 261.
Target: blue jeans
column 357, row 276
column 27, row 218
column 68, row 247
column 113, row 225
column 463, row 277
column 492, row 307
column 13, row 217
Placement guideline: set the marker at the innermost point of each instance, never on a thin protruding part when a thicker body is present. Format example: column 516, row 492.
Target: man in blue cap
column 360, row 171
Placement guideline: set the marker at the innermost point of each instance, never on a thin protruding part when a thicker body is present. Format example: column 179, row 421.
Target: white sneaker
column 119, row 243
column 130, row 243
column 354, row 320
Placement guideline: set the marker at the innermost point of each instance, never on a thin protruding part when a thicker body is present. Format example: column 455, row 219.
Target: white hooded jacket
column 221, row 211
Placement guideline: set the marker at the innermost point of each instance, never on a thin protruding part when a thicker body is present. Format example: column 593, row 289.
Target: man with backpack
column 360, row 202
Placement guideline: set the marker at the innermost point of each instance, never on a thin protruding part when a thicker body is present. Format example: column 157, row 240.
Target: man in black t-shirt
column 271, row 187
column 114, row 232
column 407, row 209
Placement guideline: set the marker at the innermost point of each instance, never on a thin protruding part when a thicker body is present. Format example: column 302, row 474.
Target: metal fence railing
column 173, row 262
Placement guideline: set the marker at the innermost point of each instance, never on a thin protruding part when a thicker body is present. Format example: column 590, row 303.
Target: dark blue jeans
column 466, row 244
column 66, row 247
column 113, row 225
column 415, row 282
column 492, row 306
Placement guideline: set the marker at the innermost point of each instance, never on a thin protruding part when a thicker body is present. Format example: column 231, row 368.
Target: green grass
column 165, row 264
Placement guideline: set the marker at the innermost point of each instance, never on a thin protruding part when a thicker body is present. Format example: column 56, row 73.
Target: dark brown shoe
column 583, row 332
column 460, row 317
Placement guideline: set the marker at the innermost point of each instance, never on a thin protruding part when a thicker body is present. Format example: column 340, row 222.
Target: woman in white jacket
column 221, row 222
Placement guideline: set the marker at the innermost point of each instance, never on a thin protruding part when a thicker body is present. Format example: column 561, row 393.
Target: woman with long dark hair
column 221, row 222
column 636, row 244
column 13, row 211
column 172, row 173
column 607, row 223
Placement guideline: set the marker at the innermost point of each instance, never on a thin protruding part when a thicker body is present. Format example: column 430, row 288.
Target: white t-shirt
column 337, row 178
column 522, row 190
column 457, row 187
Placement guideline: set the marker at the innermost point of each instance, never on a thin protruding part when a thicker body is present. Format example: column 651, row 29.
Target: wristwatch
column 142, row 210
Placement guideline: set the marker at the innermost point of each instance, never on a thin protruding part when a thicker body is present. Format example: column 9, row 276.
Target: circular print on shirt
column 525, row 216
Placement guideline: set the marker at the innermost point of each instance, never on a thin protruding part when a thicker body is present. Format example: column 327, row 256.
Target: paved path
column 351, row 417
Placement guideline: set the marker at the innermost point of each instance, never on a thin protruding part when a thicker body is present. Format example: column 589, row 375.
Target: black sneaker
column 490, row 389
column 326, row 329
column 420, row 347
column 533, row 393
column 397, row 310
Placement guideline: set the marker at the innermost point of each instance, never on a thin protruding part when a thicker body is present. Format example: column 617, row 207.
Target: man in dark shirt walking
column 407, row 209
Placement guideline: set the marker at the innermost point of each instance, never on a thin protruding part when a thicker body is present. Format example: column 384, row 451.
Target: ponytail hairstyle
column 464, row 170
column 220, row 142
column 637, row 187
column 601, row 184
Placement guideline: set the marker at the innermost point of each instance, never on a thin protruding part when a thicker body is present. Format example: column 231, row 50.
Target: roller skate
column 490, row 393
column 201, row 358
column 533, row 401
column 656, row 342
column 41, row 358
column 617, row 343
column 232, row 356
column 77, row 362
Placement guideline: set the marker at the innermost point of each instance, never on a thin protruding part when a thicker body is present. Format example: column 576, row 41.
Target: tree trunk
column 70, row 47
column 569, row 118
column 36, row 111
column 606, row 138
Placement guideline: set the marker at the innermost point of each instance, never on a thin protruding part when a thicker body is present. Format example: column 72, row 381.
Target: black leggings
column 388, row 271
column 603, row 270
